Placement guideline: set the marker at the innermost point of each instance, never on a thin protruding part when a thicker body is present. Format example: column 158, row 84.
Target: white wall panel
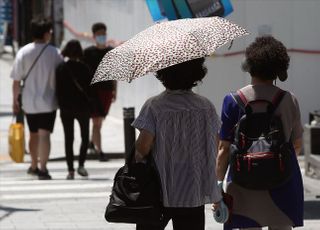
column 124, row 19
column 294, row 22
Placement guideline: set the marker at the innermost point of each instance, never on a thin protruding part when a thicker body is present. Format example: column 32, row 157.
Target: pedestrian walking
column 103, row 92
column 278, row 207
column 72, row 82
column 180, row 129
column 178, row 126
column 37, row 60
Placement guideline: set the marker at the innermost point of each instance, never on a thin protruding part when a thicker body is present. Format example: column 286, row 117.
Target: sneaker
column 82, row 171
column 92, row 149
column 70, row 175
column 103, row 157
column 44, row 175
column 33, row 172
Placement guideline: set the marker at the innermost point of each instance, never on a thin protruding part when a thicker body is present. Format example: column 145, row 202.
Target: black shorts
column 38, row 121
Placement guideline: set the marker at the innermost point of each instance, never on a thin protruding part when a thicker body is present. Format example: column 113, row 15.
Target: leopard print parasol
column 165, row 44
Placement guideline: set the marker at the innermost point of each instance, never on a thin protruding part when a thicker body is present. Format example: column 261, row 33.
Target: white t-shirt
column 39, row 93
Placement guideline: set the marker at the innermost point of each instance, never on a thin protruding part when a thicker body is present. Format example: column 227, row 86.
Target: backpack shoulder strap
column 240, row 99
column 277, row 98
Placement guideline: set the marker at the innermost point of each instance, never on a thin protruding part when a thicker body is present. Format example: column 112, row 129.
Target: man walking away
column 35, row 66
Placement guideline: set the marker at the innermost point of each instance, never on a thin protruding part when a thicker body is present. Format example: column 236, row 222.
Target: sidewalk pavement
column 112, row 137
column 27, row 204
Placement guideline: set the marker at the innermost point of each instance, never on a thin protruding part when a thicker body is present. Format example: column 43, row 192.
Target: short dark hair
column 98, row 26
column 72, row 49
column 183, row 76
column 267, row 59
column 40, row 26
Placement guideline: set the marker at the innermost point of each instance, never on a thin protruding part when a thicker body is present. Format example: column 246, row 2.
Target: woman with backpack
column 260, row 199
column 72, row 82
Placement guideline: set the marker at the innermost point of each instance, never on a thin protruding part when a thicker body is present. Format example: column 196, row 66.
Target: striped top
column 185, row 126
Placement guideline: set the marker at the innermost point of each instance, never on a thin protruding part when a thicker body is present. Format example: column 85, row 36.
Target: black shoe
column 70, row 175
column 33, row 172
column 92, row 149
column 91, row 145
column 82, row 171
column 44, row 175
column 103, row 157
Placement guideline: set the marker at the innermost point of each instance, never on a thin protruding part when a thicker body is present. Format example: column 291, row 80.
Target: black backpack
column 260, row 157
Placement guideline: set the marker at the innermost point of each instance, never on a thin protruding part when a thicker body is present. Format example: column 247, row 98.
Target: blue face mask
column 101, row 39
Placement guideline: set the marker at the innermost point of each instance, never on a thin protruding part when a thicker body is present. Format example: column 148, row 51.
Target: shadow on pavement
column 100, row 179
column 92, row 157
column 10, row 210
column 312, row 210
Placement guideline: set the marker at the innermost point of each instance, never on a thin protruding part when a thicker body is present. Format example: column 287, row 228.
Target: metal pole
column 129, row 131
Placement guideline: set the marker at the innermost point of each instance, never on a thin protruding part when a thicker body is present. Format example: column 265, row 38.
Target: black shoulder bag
column 136, row 193
column 77, row 84
column 90, row 100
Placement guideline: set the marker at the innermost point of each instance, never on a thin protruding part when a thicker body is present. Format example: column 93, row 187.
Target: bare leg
column 96, row 132
column 33, row 148
column 44, row 148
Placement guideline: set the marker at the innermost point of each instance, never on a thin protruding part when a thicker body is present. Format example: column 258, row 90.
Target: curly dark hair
column 98, row 26
column 267, row 59
column 183, row 76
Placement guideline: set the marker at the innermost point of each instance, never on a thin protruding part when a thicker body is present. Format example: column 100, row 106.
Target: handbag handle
column 130, row 158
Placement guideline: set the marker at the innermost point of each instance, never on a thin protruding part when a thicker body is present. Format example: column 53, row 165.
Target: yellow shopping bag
column 16, row 142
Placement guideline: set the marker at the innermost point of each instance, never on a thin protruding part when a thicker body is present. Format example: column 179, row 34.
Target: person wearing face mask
column 103, row 92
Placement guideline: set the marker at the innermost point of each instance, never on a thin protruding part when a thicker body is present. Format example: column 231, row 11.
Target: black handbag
column 136, row 193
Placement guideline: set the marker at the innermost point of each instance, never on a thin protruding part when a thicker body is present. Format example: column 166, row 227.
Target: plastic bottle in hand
column 221, row 214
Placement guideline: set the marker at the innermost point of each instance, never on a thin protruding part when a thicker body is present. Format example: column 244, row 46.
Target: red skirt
column 103, row 104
